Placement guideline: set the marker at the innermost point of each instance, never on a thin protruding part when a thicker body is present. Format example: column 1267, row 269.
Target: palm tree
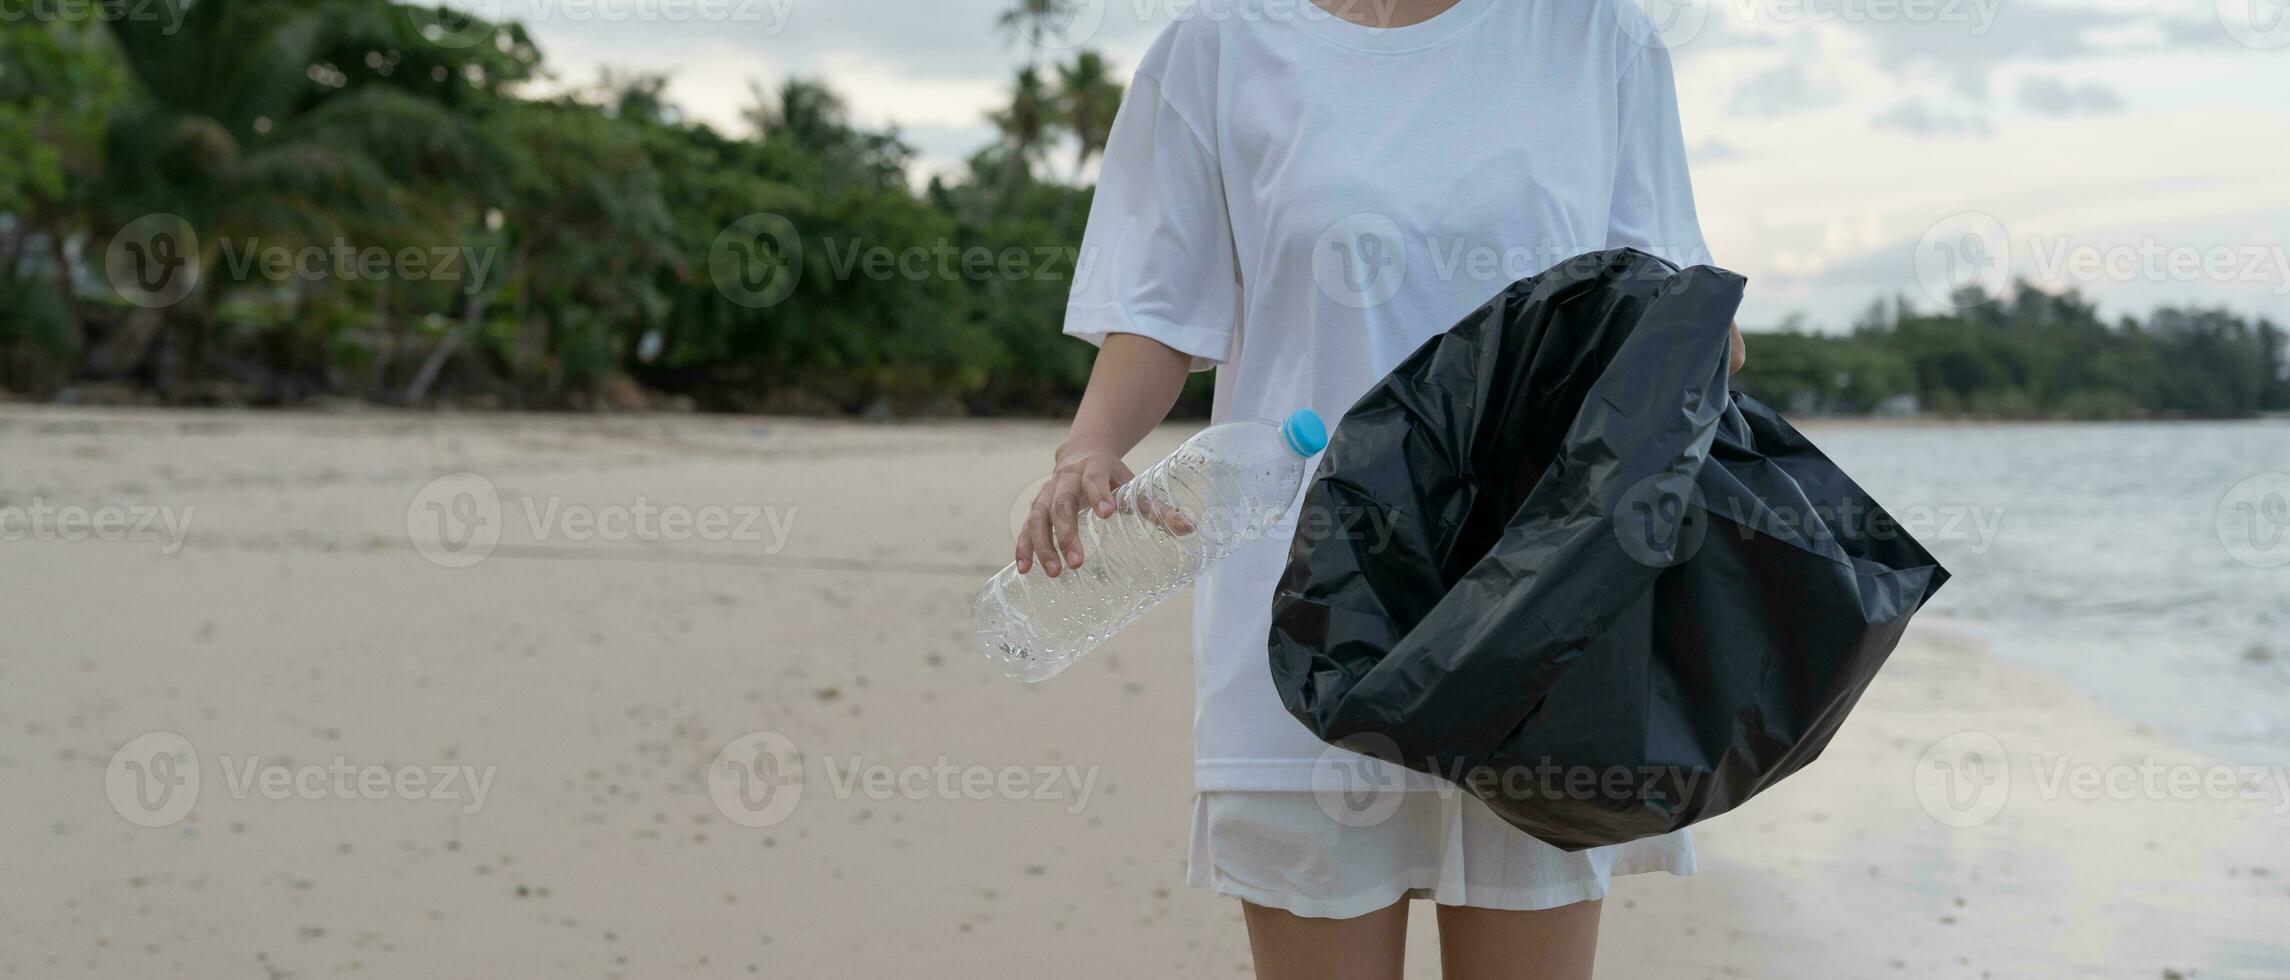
column 636, row 96
column 809, row 116
column 806, row 110
column 1087, row 99
column 251, row 121
column 1030, row 20
column 1026, row 126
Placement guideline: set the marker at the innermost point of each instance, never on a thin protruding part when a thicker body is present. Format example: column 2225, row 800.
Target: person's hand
column 1084, row 476
column 1738, row 354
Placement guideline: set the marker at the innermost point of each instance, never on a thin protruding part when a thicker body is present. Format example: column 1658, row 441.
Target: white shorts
column 1279, row 849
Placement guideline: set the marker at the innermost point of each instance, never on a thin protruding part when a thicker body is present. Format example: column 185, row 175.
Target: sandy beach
column 513, row 757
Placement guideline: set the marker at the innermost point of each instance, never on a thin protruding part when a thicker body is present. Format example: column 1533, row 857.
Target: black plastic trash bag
column 1553, row 559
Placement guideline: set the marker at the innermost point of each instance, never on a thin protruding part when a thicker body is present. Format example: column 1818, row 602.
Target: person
column 1299, row 196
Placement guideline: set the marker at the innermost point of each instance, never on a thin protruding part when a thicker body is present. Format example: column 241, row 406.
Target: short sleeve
column 1652, row 208
column 1157, row 259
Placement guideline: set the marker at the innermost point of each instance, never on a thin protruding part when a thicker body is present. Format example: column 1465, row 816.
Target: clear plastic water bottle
column 1218, row 491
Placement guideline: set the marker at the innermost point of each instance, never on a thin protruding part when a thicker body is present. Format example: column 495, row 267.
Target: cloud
column 1943, row 97
column 2053, row 97
column 1782, row 90
column 1916, row 117
column 1968, row 42
column 934, row 65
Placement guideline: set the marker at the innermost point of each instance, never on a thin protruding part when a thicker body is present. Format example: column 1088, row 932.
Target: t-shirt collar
column 1393, row 40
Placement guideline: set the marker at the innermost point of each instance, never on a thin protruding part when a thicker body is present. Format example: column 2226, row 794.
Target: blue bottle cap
column 1304, row 432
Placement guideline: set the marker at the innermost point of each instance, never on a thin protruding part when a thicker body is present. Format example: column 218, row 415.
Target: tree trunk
column 377, row 381
column 65, row 286
column 472, row 313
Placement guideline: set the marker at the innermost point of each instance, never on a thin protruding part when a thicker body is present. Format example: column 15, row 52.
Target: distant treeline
column 2030, row 355
column 269, row 201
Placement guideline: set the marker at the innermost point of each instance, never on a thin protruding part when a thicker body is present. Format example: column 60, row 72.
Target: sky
column 1842, row 150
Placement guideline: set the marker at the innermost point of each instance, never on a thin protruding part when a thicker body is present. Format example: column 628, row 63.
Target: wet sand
column 595, row 676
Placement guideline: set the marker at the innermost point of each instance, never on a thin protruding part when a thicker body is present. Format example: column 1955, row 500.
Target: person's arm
column 1132, row 386
column 1740, row 353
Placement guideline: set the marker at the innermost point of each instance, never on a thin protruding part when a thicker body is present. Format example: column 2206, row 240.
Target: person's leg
column 1287, row 946
column 1488, row 944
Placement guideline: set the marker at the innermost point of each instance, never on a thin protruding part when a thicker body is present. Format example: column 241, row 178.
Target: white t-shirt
column 1302, row 202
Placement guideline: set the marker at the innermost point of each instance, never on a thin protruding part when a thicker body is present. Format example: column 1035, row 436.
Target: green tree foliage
column 591, row 234
column 2032, row 355
column 58, row 85
column 585, row 222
